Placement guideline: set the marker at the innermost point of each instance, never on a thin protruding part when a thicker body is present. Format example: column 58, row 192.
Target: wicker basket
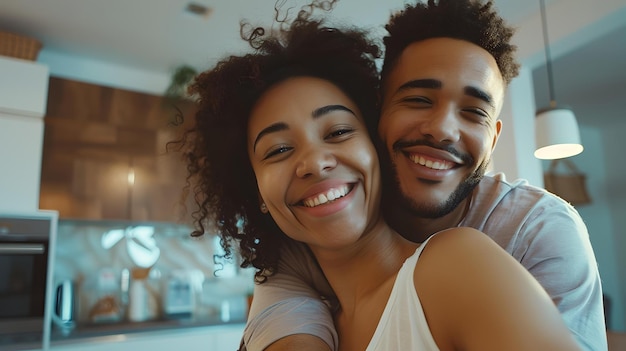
column 19, row 46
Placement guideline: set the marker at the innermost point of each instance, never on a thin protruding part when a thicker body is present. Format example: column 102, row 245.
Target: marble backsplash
column 100, row 258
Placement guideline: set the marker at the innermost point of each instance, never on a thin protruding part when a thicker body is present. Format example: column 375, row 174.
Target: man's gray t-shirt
column 543, row 232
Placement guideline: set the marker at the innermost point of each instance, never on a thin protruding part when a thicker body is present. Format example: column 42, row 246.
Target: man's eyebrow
column 480, row 94
column 318, row 112
column 276, row 127
column 436, row 84
column 421, row 83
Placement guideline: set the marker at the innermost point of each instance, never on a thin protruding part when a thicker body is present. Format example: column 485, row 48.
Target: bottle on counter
column 142, row 298
column 106, row 307
column 179, row 294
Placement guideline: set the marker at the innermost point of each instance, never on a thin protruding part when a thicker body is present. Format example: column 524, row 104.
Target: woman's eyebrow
column 330, row 108
column 276, row 127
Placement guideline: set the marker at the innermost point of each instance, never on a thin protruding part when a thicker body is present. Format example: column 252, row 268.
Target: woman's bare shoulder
column 464, row 254
column 471, row 289
column 461, row 240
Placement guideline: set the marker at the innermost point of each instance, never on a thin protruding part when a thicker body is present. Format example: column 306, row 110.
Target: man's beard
column 426, row 210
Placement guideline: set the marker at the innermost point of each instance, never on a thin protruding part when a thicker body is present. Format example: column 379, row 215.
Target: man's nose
column 443, row 125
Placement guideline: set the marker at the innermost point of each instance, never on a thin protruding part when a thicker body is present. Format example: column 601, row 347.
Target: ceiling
column 159, row 35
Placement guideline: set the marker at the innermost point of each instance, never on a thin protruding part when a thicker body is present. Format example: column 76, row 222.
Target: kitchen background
column 102, row 162
column 175, row 276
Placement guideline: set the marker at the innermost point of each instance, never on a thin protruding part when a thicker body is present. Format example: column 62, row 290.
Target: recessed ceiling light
column 198, row 9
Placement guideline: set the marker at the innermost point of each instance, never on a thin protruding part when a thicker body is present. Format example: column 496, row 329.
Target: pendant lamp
column 556, row 130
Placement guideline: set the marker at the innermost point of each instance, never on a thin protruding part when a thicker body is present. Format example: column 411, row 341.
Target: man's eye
column 477, row 112
column 416, row 100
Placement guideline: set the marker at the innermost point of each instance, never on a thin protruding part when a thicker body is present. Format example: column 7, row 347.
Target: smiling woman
column 307, row 126
column 225, row 184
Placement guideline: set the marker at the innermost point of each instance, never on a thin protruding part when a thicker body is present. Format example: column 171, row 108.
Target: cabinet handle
column 22, row 249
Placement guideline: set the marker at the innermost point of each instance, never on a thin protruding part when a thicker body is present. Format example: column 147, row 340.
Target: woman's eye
column 339, row 132
column 277, row 151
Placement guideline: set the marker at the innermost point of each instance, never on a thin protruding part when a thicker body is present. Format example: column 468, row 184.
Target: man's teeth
column 443, row 165
column 330, row 195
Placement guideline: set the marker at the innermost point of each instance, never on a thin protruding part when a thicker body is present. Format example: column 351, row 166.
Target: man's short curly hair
column 221, row 178
column 475, row 21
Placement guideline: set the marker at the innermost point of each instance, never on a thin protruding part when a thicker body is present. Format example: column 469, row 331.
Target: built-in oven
column 26, row 250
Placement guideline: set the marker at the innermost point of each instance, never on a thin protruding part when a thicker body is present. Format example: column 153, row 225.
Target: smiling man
column 439, row 125
column 447, row 65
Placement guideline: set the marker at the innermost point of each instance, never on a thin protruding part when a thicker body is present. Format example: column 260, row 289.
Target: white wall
column 104, row 73
column 600, row 222
column 614, row 146
column 514, row 152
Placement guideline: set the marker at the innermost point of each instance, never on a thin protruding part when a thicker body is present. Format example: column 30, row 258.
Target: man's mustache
column 401, row 144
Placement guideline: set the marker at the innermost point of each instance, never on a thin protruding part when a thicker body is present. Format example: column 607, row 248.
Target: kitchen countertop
column 195, row 337
column 112, row 331
column 159, row 335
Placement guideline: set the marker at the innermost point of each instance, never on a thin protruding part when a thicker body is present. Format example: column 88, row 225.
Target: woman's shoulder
column 462, row 239
column 470, row 288
column 463, row 252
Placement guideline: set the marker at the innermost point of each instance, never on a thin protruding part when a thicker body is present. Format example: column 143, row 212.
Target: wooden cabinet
column 105, row 154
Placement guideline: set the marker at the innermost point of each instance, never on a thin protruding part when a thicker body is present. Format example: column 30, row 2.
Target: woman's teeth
column 330, row 195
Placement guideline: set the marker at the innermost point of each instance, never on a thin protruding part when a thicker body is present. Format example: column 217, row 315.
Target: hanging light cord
column 546, row 42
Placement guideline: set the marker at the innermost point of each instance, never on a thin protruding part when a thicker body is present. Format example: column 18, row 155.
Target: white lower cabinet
column 213, row 338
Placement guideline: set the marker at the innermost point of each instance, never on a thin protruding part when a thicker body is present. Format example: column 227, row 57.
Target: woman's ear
column 262, row 205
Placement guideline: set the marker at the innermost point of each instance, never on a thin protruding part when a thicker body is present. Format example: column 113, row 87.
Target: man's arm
column 549, row 238
column 287, row 312
column 561, row 258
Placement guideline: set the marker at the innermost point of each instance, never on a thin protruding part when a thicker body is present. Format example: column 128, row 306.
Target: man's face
column 439, row 122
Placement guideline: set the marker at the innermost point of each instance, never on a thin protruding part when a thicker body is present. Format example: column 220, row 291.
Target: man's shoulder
column 505, row 210
column 499, row 181
column 498, row 191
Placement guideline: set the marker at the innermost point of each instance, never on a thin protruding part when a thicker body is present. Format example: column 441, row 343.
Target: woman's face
column 316, row 167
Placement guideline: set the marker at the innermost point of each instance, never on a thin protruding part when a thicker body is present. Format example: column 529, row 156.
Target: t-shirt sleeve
column 549, row 238
column 558, row 253
column 291, row 302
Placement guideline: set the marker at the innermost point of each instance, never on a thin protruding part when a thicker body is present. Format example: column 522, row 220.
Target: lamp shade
column 557, row 134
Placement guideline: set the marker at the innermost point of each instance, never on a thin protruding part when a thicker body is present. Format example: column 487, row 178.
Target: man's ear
column 496, row 135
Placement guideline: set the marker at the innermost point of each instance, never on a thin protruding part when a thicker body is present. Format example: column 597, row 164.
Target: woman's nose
column 315, row 161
